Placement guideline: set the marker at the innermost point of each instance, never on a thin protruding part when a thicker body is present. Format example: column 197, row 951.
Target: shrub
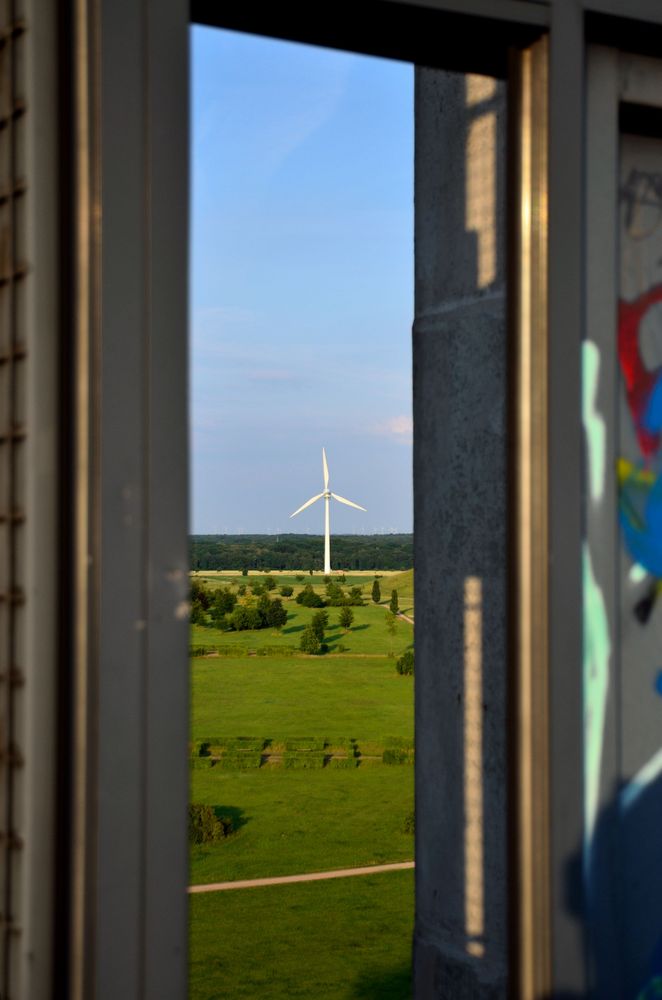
column 393, row 606
column 276, row 614
column 409, row 825
column 198, row 615
column 246, row 743
column 304, row 743
column 241, row 589
column 308, row 598
column 405, row 664
column 239, row 760
column 197, row 763
column 286, row 590
column 342, row 762
column 346, row 618
column 244, row 571
column 327, row 579
column 355, row 596
column 309, row 642
column 299, row 577
column 270, row 583
column 395, row 756
column 311, row 760
column 204, row 826
column 277, row 650
column 318, row 623
column 376, row 591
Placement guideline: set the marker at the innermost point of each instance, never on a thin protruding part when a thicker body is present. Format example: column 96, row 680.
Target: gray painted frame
column 129, row 933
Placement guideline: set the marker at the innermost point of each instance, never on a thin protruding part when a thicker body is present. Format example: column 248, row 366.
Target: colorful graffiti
column 640, row 481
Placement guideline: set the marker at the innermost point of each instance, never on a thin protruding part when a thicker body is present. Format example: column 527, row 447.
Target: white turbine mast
column 327, row 495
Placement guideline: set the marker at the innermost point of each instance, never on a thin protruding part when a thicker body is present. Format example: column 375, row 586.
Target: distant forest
column 300, row 552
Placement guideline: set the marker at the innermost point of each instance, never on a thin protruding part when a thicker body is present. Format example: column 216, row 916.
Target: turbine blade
column 326, row 470
column 307, row 504
column 349, row 503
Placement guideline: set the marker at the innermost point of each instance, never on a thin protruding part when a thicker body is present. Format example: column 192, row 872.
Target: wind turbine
column 327, row 494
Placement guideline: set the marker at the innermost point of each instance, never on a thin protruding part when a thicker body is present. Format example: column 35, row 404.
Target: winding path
column 257, row 883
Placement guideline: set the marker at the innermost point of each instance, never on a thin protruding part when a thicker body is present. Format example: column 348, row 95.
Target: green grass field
column 301, row 821
column 348, row 939
column 341, row 939
column 351, row 697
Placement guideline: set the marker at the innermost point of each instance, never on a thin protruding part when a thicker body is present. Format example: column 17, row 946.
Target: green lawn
column 348, row 939
column 351, row 697
column 339, row 940
column 303, row 821
column 368, row 634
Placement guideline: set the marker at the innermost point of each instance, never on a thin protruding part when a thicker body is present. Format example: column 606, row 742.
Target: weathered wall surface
column 460, row 945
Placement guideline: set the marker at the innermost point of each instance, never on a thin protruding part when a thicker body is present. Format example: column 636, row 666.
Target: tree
column 269, row 583
column 308, row 598
column 355, row 596
column 346, row 617
column 244, row 571
column 319, row 622
column 376, row 591
column 198, row 615
column 391, row 625
column 286, row 590
column 309, row 643
column 276, row 615
column 394, row 602
column 405, row 664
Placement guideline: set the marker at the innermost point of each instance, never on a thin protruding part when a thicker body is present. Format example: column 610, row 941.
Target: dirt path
column 406, row 618
column 256, row 883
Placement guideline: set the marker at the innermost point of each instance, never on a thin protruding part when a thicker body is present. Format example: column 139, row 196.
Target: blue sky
column 301, row 285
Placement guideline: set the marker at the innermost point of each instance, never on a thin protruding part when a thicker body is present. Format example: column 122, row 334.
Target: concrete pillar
column 460, row 472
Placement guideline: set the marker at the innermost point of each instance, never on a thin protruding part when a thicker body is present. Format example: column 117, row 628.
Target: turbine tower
column 326, row 494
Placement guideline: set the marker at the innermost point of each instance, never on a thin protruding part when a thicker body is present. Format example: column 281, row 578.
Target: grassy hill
column 404, row 584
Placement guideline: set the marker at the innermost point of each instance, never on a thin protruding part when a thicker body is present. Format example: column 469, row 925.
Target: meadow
column 347, row 939
column 289, row 821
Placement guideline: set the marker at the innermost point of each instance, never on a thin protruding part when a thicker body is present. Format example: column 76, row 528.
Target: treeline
column 274, row 552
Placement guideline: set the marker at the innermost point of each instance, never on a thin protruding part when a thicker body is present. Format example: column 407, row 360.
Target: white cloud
column 400, row 428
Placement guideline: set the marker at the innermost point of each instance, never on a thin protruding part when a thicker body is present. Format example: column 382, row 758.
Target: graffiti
column 640, row 493
column 642, row 195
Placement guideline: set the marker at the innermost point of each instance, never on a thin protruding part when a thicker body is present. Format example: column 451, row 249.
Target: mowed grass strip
column 362, row 698
column 349, row 939
column 288, row 822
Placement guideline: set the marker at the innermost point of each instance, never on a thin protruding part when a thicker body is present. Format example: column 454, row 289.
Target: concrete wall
column 460, row 945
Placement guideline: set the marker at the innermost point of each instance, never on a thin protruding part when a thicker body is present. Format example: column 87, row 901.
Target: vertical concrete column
column 460, row 471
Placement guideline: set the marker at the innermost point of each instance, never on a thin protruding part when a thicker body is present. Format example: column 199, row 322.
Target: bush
column 405, row 664
column 276, row 614
column 270, row 583
column 205, row 827
column 309, row 642
column 395, row 756
column 342, row 762
column 346, row 618
column 197, row 763
column 312, row 760
column 244, row 571
column 308, row 598
column 246, row 743
column 409, row 825
column 355, row 596
column 318, row 623
column 393, row 606
column 376, row 591
column 277, row 650
column 299, row 577
column 286, row 590
column 304, row 743
column 239, row 760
